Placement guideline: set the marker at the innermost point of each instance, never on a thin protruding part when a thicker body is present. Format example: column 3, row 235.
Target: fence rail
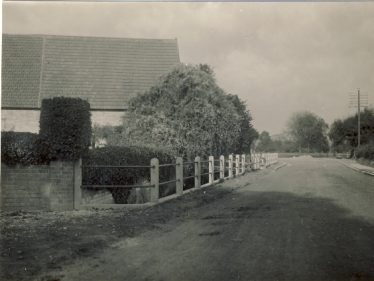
column 116, row 186
column 233, row 165
column 117, row 166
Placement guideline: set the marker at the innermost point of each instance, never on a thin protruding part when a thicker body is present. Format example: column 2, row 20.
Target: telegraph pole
column 359, row 103
column 358, row 118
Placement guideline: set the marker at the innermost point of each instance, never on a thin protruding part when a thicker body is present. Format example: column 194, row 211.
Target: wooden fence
column 224, row 167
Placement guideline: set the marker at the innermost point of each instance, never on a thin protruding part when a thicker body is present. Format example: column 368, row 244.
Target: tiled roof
column 105, row 71
column 21, row 65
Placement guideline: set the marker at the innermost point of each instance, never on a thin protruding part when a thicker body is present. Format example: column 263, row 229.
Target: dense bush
column 19, row 148
column 65, row 128
column 187, row 112
column 343, row 133
column 366, row 151
column 116, row 156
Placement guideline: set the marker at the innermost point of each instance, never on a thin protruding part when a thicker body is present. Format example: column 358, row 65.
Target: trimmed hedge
column 121, row 156
column 20, row 148
column 65, row 128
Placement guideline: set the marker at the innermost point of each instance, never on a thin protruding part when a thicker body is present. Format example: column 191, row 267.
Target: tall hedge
column 65, row 128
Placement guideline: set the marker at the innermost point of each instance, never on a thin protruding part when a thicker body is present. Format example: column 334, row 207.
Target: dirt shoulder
column 34, row 243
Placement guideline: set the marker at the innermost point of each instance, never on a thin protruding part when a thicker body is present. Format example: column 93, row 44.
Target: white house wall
column 20, row 120
column 28, row 120
column 113, row 118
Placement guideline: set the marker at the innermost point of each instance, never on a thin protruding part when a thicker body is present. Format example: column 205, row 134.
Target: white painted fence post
column 211, row 169
column 237, row 163
column 197, row 172
column 179, row 175
column 222, row 167
column 243, row 163
column 155, row 194
column 230, row 165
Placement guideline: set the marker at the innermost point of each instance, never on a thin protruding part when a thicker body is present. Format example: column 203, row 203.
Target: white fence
column 235, row 165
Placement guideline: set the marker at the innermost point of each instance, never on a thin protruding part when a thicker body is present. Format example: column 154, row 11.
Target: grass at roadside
column 366, row 162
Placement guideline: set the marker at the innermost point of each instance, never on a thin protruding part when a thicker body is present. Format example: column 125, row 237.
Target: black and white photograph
column 187, row 141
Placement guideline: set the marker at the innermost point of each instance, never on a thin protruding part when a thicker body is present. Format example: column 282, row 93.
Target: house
column 105, row 71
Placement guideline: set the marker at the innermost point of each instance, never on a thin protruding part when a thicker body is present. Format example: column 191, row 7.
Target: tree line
column 307, row 132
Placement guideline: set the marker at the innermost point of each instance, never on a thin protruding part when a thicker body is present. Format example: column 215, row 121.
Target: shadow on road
column 263, row 236
column 291, row 237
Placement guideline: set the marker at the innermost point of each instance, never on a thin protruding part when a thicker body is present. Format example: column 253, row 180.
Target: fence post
column 211, row 169
column 197, row 172
column 222, row 167
column 237, row 163
column 230, row 165
column 179, row 175
column 77, row 184
column 243, row 163
column 155, row 194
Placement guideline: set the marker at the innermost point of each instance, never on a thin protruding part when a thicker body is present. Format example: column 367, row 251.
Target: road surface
column 311, row 220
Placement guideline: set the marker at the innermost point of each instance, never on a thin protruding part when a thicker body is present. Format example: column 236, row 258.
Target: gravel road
column 312, row 220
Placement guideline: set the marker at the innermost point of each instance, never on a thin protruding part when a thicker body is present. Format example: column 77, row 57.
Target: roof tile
column 104, row 71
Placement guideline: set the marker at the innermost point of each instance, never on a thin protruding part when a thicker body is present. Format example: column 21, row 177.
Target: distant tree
column 265, row 143
column 309, row 132
column 284, row 143
column 189, row 114
column 343, row 133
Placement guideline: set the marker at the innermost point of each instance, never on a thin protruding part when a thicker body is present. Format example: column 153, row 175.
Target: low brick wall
column 41, row 187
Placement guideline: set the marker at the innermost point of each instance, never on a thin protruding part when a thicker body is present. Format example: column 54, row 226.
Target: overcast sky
column 278, row 57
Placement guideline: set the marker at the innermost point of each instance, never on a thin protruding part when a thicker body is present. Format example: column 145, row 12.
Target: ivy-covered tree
column 188, row 113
